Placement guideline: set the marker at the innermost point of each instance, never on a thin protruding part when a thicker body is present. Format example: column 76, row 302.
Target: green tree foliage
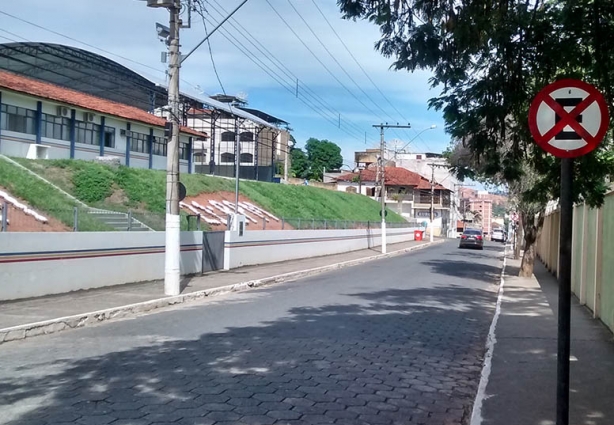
column 322, row 154
column 489, row 60
column 300, row 163
column 319, row 154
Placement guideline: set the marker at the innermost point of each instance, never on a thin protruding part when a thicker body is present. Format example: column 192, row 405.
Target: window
column 87, row 132
column 247, row 157
column 228, row 157
column 55, row 127
column 184, row 150
column 350, row 189
column 159, row 146
column 109, row 137
column 139, row 142
column 246, row 136
column 20, row 120
column 200, row 157
column 228, row 136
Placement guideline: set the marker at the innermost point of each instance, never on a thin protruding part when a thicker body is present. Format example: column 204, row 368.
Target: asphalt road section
column 399, row 340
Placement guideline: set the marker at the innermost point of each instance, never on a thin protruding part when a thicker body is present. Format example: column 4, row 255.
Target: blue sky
column 127, row 28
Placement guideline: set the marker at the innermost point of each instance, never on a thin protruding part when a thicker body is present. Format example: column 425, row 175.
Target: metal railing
column 81, row 219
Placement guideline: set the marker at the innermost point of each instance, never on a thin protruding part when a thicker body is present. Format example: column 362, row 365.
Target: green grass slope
column 44, row 198
column 143, row 191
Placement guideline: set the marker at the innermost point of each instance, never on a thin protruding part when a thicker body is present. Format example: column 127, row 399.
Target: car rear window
column 473, row 232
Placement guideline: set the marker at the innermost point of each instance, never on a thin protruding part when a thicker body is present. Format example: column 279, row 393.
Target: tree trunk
column 532, row 226
column 528, row 259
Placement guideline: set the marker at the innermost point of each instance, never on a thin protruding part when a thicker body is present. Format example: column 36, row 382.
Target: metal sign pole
column 564, row 319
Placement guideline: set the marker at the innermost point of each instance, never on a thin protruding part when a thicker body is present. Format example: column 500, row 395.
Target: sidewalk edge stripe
column 476, row 413
column 50, row 326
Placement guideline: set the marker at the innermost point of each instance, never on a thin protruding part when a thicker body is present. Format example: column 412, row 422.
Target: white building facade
column 42, row 120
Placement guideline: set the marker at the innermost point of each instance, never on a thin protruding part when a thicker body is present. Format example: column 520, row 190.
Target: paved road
column 394, row 341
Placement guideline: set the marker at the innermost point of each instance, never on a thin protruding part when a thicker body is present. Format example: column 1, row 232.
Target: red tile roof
column 71, row 97
column 395, row 176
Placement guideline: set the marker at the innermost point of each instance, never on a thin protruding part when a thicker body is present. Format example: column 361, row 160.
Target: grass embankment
column 44, row 198
column 143, row 192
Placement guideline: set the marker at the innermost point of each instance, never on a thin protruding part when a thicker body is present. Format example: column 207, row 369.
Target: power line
column 347, row 49
column 228, row 35
column 317, row 58
column 284, row 69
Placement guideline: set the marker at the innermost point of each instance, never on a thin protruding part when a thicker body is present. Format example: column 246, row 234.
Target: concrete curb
column 47, row 327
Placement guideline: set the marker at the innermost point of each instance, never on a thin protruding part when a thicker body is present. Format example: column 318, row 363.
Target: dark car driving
column 471, row 238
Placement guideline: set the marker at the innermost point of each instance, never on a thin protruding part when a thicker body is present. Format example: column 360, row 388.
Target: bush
column 93, row 184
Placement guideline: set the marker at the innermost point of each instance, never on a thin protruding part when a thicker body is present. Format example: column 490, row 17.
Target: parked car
column 471, row 238
column 498, row 236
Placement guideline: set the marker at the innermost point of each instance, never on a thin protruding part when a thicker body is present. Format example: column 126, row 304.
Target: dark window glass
column 184, row 151
column 55, row 127
column 228, row 157
column 20, row 120
column 139, row 142
column 246, row 136
column 109, row 137
column 228, row 136
column 247, row 157
column 87, row 132
column 159, row 146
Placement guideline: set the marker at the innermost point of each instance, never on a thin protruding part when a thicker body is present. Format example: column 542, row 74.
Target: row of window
column 229, row 136
column 22, row 120
column 228, row 157
column 139, row 142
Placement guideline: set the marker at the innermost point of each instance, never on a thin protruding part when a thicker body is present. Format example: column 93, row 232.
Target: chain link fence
column 81, row 219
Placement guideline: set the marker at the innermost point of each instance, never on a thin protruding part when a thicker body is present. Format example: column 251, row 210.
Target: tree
column 491, row 58
column 300, row 163
column 322, row 154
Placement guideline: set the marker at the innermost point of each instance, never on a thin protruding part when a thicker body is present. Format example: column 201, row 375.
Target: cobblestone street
column 397, row 341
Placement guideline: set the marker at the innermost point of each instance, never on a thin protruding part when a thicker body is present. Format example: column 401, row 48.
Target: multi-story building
column 263, row 144
column 481, row 211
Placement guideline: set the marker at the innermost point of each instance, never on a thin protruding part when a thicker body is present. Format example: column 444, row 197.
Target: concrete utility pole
column 433, row 165
column 173, row 244
column 381, row 171
column 238, row 163
column 432, row 202
column 172, row 248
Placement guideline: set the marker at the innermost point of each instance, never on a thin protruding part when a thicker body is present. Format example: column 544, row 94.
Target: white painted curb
column 476, row 414
column 85, row 319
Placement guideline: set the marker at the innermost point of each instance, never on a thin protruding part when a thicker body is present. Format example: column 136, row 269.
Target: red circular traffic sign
column 568, row 118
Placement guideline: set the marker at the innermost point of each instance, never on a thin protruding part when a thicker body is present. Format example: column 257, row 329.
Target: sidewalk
column 146, row 296
column 522, row 385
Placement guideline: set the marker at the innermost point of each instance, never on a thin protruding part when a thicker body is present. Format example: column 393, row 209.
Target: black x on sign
column 568, row 118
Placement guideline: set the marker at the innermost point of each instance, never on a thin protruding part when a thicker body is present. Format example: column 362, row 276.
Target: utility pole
column 172, row 247
column 433, row 165
column 381, row 171
column 238, row 163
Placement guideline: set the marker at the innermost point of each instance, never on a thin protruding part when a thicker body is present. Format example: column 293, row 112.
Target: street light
column 432, row 127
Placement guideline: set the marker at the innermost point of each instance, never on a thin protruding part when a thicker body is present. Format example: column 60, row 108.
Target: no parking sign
column 568, row 118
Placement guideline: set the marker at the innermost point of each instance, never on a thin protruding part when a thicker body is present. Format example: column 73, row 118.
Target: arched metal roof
column 83, row 71
column 90, row 73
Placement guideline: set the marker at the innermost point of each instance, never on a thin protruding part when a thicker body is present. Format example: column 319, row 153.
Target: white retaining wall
column 37, row 264
column 272, row 246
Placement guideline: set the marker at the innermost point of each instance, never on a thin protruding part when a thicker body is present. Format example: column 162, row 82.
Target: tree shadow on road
column 393, row 356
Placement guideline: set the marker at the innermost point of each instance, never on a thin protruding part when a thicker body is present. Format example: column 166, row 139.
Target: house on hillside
column 407, row 193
